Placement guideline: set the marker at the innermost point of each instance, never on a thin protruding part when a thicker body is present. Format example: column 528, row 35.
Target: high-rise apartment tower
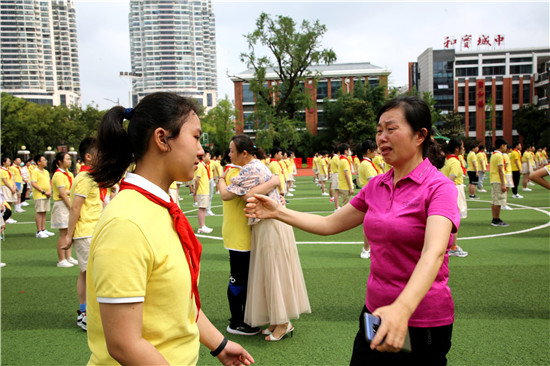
column 173, row 48
column 39, row 51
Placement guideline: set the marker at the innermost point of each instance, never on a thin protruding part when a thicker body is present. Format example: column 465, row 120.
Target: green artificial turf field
column 501, row 290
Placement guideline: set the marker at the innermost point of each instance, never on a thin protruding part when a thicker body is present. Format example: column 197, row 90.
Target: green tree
column 349, row 119
column 531, row 123
column 452, row 125
column 431, row 102
column 292, row 50
column 219, row 123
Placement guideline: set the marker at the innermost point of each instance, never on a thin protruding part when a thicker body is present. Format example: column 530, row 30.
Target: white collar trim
column 149, row 186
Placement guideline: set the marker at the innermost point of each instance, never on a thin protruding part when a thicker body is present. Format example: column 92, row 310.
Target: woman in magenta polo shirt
column 408, row 215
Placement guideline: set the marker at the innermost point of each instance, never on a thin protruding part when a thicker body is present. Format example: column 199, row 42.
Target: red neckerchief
column 191, row 246
column 456, row 157
column 102, row 191
column 371, row 163
column 343, row 157
column 6, row 169
column 206, row 167
column 282, row 170
column 67, row 175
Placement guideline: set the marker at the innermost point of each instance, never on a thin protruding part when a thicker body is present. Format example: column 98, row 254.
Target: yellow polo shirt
column 515, row 160
column 334, row 161
column 202, row 174
column 378, row 162
column 453, row 166
column 507, row 164
column 235, row 229
column 344, row 169
column 60, row 180
column 472, row 159
column 16, row 174
column 366, row 172
column 136, row 256
column 85, row 186
column 496, row 160
column 5, row 174
column 322, row 163
column 42, row 179
column 276, row 167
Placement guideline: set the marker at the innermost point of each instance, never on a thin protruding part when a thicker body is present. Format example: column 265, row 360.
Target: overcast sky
column 388, row 34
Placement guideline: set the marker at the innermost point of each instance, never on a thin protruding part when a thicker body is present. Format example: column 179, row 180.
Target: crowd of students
column 139, row 258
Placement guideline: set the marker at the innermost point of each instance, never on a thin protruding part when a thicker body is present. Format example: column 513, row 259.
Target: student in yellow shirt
column 41, row 193
column 143, row 267
column 333, row 176
column 481, row 167
column 15, row 170
column 322, row 163
column 526, row 167
column 379, row 162
column 7, row 181
column 508, row 174
column 86, row 207
column 276, row 167
column 473, row 171
column 515, row 162
column 498, row 182
column 453, row 170
column 365, row 172
column 62, row 181
column 237, row 239
column 345, row 183
column 315, row 167
column 201, row 195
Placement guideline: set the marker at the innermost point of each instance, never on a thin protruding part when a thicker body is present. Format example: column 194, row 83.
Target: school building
column 484, row 86
column 330, row 79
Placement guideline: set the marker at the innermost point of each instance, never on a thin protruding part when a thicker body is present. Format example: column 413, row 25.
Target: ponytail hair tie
column 127, row 113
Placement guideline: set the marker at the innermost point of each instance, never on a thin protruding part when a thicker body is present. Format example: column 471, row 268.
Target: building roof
column 333, row 70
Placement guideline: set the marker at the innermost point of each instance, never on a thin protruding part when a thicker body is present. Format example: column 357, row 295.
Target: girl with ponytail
column 408, row 215
column 143, row 266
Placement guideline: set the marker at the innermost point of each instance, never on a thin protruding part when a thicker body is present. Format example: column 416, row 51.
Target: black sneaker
column 242, row 329
column 499, row 223
column 474, row 197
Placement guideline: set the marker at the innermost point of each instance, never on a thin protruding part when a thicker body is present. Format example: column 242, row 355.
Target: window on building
column 335, row 85
column 493, row 70
column 209, row 101
column 526, row 93
column 461, row 96
column 472, row 95
column 520, row 59
column 494, row 61
column 466, row 62
column 322, row 89
column 498, row 97
column 521, row 69
column 248, row 95
column 472, row 121
column 488, row 93
column 466, row 71
column 321, row 122
column 515, row 93
column 498, row 118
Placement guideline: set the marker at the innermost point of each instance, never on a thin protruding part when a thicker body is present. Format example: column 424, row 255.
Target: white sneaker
column 204, row 230
column 324, row 194
column 289, row 194
column 19, row 210
column 210, row 213
column 11, row 221
column 292, row 190
column 507, row 208
column 482, row 190
column 195, row 204
column 365, row 254
column 517, row 196
column 523, row 189
column 2, row 264
column 42, row 235
column 336, row 209
column 24, row 204
column 64, row 264
column 49, row 233
column 530, row 184
column 72, row 261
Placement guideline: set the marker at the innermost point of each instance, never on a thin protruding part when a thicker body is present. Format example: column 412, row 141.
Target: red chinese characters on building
column 449, row 42
column 466, row 41
column 480, row 93
column 499, row 39
column 483, row 40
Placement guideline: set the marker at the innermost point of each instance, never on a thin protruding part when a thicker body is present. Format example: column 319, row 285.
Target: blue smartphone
column 372, row 323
